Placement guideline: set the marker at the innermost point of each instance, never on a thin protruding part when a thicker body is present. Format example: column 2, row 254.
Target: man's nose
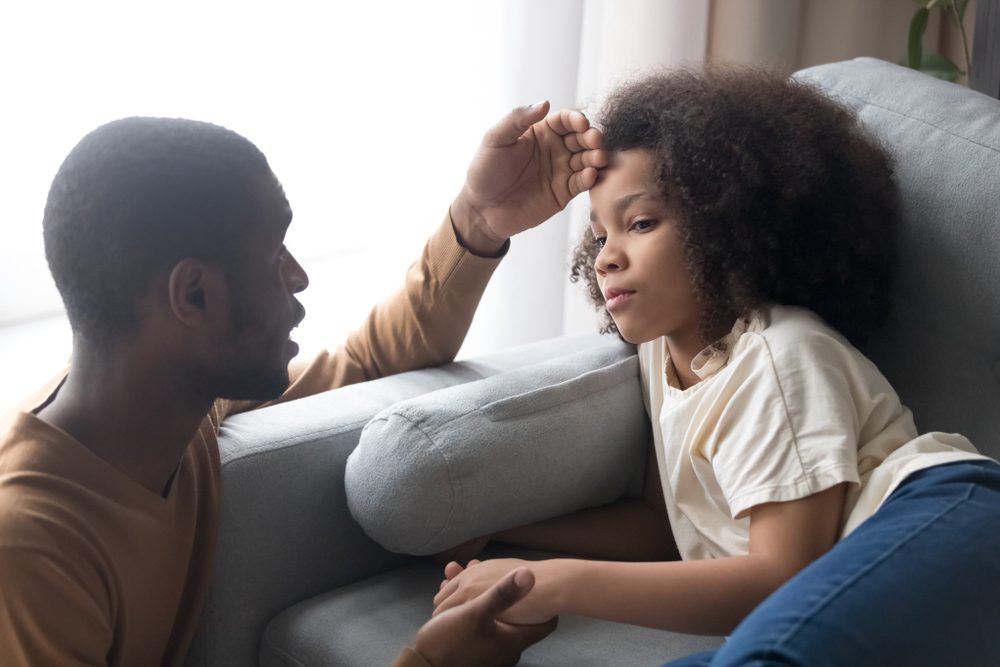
column 297, row 279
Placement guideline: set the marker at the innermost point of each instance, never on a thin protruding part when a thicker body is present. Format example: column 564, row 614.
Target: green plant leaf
column 940, row 67
column 915, row 49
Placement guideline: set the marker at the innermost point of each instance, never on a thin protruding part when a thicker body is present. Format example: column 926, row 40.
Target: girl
column 742, row 235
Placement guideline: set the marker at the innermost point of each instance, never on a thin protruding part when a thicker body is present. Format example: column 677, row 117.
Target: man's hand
column 470, row 634
column 526, row 170
column 462, row 585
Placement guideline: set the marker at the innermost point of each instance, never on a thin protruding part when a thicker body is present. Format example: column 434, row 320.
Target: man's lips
column 615, row 298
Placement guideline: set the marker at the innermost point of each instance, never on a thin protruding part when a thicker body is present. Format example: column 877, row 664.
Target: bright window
column 367, row 111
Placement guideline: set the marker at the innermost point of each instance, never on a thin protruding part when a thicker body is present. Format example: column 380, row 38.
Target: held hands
column 526, row 170
column 469, row 583
column 470, row 634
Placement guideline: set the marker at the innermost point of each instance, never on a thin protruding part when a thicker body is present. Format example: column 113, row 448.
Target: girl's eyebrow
column 622, row 203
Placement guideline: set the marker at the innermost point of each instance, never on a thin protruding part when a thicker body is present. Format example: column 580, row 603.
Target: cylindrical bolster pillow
column 529, row 444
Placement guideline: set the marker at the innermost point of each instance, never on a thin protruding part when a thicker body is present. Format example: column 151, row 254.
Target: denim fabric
column 916, row 584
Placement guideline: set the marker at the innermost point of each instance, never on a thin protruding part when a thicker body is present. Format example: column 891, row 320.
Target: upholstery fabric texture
column 536, row 442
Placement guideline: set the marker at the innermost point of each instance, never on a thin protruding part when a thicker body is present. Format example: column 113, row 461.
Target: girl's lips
column 617, row 298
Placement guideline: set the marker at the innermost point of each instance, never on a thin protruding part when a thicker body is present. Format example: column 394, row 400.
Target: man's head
column 180, row 224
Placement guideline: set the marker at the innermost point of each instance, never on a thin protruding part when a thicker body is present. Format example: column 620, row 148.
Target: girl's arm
column 700, row 597
column 629, row 530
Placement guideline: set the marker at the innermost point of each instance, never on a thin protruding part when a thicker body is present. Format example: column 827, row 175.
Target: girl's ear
column 196, row 293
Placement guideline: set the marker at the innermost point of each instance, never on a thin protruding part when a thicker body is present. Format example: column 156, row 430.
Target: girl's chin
column 633, row 337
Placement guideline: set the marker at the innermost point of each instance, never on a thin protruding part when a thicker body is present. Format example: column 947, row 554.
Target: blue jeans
column 916, row 584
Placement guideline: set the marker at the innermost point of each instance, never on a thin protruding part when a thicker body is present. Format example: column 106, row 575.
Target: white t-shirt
column 788, row 408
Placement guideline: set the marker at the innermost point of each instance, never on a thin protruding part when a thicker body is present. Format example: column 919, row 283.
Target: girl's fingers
column 447, row 589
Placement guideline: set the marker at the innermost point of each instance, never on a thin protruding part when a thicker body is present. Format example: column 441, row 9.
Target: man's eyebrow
column 622, row 203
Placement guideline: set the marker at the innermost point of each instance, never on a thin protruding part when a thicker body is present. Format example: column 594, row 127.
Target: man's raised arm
column 527, row 168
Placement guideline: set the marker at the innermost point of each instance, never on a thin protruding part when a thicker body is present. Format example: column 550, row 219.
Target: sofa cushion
column 540, row 441
column 941, row 346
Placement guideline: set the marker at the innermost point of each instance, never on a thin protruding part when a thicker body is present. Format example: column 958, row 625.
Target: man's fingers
column 582, row 181
column 514, row 124
column 592, row 139
column 595, row 159
column 505, row 593
column 567, row 121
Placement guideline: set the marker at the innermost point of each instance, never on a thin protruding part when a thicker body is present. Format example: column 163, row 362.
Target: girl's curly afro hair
column 780, row 195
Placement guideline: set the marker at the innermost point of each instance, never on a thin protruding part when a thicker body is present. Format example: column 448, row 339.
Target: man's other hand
column 470, row 634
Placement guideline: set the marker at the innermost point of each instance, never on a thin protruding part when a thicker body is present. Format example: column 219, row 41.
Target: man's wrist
column 472, row 231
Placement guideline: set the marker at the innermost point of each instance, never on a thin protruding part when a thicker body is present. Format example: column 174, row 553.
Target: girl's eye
column 599, row 241
column 643, row 225
column 283, row 254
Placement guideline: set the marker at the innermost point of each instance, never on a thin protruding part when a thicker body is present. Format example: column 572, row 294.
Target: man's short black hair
column 134, row 197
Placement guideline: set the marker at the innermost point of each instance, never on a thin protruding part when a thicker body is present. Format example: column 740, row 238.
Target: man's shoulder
column 40, row 502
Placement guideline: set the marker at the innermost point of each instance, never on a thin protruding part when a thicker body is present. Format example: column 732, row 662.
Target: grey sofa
column 298, row 580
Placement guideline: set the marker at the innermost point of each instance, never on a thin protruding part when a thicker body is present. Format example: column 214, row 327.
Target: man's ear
column 196, row 292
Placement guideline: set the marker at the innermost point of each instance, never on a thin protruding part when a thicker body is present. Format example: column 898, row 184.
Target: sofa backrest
column 941, row 346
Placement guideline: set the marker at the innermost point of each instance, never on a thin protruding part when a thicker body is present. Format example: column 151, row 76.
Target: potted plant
column 933, row 63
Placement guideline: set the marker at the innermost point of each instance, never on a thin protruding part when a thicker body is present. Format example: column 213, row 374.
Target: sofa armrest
column 285, row 531
column 533, row 443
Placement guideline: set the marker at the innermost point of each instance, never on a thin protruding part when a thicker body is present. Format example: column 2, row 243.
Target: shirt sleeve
column 422, row 324
column 52, row 612
column 789, row 425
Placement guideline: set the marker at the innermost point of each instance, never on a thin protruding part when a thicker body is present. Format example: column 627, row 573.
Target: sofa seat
column 365, row 625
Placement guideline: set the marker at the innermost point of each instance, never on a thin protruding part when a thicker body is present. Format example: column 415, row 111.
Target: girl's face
column 640, row 268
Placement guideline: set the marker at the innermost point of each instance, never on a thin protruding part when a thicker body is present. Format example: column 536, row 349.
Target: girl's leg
column 917, row 584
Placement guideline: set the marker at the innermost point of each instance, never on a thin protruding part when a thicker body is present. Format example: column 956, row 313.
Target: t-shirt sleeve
column 789, row 428
column 52, row 611
column 422, row 324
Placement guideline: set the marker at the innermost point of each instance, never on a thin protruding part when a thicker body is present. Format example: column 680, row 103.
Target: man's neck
column 129, row 409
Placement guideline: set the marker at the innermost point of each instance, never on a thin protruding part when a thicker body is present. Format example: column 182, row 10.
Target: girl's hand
column 464, row 584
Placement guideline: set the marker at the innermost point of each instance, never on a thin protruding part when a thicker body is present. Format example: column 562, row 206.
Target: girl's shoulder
column 795, row 339
column 793, row 328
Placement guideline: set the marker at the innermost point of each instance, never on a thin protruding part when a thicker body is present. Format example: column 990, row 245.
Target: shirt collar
column 714, row 358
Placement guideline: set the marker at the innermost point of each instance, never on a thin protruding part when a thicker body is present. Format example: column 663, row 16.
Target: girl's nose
column 609, row 259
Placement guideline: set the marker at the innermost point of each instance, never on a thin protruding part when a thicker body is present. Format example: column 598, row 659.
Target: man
column 165, row 238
